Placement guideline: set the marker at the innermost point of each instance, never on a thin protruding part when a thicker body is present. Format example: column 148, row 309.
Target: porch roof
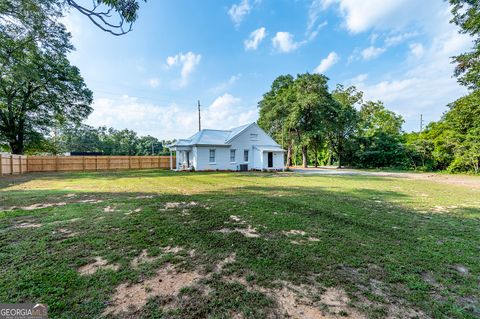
column 268, row 148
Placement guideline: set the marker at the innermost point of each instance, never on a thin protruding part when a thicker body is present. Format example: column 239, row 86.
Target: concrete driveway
column 336, row 171
column 451, row 179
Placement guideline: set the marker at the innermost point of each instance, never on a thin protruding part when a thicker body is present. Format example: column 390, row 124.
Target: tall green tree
column 312, row 101
column 39, row 88
column 378, row 142
column 342, row 120
column 274, row 109
column 466, row 15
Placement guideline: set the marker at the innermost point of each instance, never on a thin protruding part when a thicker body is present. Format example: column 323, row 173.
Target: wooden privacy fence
column 19, row 164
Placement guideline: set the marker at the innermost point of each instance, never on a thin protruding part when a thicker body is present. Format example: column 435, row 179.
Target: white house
column 240, row 149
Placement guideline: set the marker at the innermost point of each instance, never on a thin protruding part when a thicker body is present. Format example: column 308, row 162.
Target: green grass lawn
column 252, row 245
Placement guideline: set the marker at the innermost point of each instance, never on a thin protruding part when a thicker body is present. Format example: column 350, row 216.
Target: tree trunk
column 289, row 155
column 340, row 151
column 315, row 149
column 16, row 147
column 304, row 156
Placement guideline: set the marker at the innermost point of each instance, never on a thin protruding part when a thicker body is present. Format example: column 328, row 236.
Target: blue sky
column 227, row 53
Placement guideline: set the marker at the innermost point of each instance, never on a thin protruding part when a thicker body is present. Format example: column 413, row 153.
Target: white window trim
column 234, row 156
column 248, row 156
column 214, row 156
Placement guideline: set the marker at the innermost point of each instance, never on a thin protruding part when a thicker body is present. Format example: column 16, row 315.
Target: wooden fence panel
column 19, row 164
column 13, row 164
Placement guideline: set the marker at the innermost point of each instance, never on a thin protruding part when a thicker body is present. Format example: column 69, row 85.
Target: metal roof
column 211, row 137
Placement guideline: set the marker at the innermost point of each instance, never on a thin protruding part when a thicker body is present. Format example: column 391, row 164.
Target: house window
column 212, row 156
column 253, row 137
column 245, row 155
column 232, row 156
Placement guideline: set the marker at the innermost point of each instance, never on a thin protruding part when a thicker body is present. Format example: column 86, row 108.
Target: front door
column 270, row 159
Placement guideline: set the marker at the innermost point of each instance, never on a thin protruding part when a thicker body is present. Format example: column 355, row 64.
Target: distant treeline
column 107, row 141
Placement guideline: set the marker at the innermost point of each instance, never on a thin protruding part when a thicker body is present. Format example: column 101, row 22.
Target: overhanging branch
column 101, row 18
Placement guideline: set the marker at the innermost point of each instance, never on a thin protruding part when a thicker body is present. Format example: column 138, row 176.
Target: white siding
column 246, row 140
column 222, row 159
column 278, row 160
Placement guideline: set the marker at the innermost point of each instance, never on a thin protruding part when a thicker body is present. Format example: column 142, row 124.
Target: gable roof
column 212, row 137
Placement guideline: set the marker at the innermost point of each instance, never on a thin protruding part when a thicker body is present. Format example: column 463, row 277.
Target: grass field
column 158, row 244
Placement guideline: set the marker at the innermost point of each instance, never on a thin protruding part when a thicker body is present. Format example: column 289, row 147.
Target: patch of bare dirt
column 33, row 206
column 248, row 232
column 90, row 201
column 175, row 205
column 144, row 196
column 236, row 219
column 66, row 232
column 337, row 302
column 167, row 282
column 172, row 250
column 228, row 260
column 99, row 263
column 461, row 269
column 28, row 225
column 294, row 232
column 108, row 209
column 137, row 210
column 296, row 301
column 142, row 258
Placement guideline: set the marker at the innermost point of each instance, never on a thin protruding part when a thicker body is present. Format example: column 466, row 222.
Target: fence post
column 26, row 170
column 129, row 162
column 96, row 163
column 1, row 165
column 108, row 162
column 56, row 163
column 20, row 161
column 83, row 163
column 11, row 164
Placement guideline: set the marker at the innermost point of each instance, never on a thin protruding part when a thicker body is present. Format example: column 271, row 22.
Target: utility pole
column 421, row 123
column 199, row 118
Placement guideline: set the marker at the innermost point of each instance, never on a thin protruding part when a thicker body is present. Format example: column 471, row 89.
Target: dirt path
column 461, row 180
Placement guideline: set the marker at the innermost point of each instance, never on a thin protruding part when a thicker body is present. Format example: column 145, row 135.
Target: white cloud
column 237, row 12
column 188, row 62
column 359, row 16
column 153, row 82
column 417, row 50
column 255, row 38
column 226, row 112
column 361, row 78
column 222, row 87
column 170, row 121
column 426, row 86
column 284, row 42
column 327, row 63
column 372, row 52
column 314, row 11
column 399, row 38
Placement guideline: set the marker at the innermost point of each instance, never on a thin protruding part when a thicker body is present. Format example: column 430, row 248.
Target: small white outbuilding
column 243, row 148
